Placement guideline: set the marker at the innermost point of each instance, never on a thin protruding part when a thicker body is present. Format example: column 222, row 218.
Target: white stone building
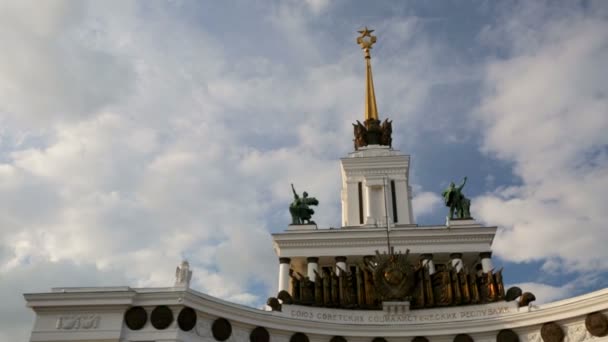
column 447, row 290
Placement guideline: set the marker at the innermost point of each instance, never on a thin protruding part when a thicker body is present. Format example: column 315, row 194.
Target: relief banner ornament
column 75, row 322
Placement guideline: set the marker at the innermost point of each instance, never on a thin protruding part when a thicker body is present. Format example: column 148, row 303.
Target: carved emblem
column 577, row 333
column 74, row 322
column 551, row 332
column 393, row 276
column 597, row 324
column 534, row 337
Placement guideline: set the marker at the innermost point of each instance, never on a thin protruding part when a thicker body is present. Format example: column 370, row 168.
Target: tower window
column 360, row 202
column 394, row 200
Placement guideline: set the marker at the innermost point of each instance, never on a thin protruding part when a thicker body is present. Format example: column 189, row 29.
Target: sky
column 135, row 134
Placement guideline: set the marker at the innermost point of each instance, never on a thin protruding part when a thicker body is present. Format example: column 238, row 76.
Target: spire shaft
column 366, row 40
column 371, row 110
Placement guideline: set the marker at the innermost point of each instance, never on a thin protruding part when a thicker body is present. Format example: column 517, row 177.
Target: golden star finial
column 366, row 40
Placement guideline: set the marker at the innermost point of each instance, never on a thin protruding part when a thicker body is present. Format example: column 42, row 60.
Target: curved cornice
column 518, row 318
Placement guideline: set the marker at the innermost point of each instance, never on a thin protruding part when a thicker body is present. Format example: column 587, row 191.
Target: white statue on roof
column 183, row 274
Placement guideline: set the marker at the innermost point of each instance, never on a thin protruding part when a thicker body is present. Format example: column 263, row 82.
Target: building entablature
column 97, row 315
column 360, row 241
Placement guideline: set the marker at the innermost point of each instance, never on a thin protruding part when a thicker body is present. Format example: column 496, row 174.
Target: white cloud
column 48, row 70
column 546, row 293
column 425, row 203
column 544, row 109
column 132, row 141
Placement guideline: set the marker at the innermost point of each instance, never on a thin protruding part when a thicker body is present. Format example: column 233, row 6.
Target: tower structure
column 375, row 177
column 377, row 211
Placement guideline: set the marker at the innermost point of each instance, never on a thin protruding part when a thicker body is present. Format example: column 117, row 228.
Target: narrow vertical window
column 394, row 200
column 360, row 203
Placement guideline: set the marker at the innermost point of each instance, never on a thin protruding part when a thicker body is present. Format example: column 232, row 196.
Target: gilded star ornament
column 366, row 39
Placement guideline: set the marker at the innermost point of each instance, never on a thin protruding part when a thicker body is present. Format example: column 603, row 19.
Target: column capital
column 485, row 255
column 426, row 256
column 456, row 256
column 312, row 260
column 284, row 260
column 340, row 259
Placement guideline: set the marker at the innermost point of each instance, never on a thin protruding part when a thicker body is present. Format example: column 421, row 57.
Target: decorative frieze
column 576, row 333
column 76, row 322
column 397, row 171
column 364, row 317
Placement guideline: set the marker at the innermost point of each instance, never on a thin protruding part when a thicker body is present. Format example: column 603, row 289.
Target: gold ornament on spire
column 366, row 40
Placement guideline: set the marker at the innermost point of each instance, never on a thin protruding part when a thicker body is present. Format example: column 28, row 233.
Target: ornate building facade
column 379, row 277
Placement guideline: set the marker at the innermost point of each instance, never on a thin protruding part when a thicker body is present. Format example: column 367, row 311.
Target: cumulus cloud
column 425, row 203
column 546, row 293
column 128, row 143
column 544, row 110
column 48, row 70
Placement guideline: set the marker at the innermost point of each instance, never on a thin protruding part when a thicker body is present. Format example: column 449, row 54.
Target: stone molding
column 381, row 241
column 573, row 311
column 381, row 172
column 374, row 151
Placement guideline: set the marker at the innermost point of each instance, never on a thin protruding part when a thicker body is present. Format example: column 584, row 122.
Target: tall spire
column 366, row 40
column 371, row 131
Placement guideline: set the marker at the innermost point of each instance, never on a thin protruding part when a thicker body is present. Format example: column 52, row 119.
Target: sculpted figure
column 367, row 267
column 183, row 274
column 419, row 291
column 360, row 133
column 473, row 288
column 335, row 289
column 318, row 289
column 386, row 135
column 487, row 288
column 374, row 131
column 500, row 287
column 295, row 287
column 442, row 288
column 456, row 290
column 456, row 201
column 299, row 209
column 326, row 289
column 307, row 291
